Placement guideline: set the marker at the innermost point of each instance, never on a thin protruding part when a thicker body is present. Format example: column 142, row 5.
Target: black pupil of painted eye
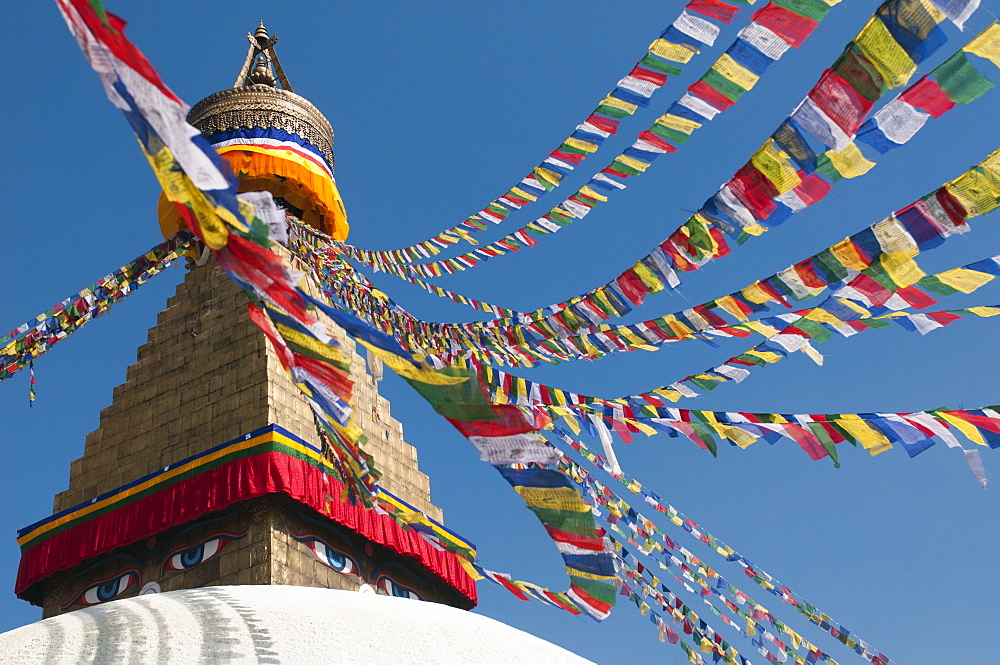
column 399, row 591
column 192, row 555
column 107, row 590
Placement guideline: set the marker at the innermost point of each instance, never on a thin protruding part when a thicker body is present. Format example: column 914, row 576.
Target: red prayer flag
column 716, row 9
column 928, row 96
column 806, row 270
column 840, row 102
column 916, row 297
column 604, row 124
column 643, row 74
column 658, row 141
column 710, row 95
column 788, row 25
column 812, row 188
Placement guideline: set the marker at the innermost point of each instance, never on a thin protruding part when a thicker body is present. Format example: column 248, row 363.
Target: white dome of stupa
column 274, row 624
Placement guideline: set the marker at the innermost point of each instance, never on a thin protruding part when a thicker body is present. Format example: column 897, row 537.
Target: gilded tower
column 206, row 468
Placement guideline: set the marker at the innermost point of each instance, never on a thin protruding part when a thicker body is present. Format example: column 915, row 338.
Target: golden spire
column 257, row 68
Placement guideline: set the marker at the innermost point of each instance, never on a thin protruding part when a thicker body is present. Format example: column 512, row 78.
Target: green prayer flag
column 813, row 9
column 729, row 89
column 652, row 62
column 960, row 79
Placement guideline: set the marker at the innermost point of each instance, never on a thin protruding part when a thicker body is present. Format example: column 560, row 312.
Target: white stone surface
column 274, row 624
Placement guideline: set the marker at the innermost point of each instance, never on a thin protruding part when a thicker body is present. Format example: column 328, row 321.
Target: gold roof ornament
column 274, row 139
column 255, row 100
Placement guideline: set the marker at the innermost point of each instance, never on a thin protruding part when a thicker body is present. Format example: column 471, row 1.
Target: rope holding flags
column 33, row 383
column 36, row 337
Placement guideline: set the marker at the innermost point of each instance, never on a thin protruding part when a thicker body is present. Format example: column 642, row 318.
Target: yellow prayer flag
column 729, row 305
column 633, row 162
column 735, row 72
column 466, row 236
column 987, row 44
column 964, row 280
column 901, row 268
column 892, row 236
column 521, row 194
column 766, row 356
column 641, row 426
column 978, row 190
column 966, row 428
column 178, row 188
column 775, row 165
column 670, row 51
column 602, row 298
column 554, row 498
column 740, row 437
column 822, row 316
column 678, row 328
column 985, row 311
column 582, row 145
column 593, row 194
column 847, row 253
column 469, row 568
column 619, row 104
column 648, row 278
column 872, row 441
column 678, row 123
column 760, row 328
column 755, row 294
column 668, row 393
column 408, row 370
column 327, row 351
column 545, row 174
column 589, row 576
column 849, row 162
column 885, row 53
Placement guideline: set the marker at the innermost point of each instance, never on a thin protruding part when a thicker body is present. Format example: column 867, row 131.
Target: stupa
column 205, row 521
column 207, row 468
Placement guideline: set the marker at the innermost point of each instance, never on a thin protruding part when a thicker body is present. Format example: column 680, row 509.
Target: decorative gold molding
column 263, row 106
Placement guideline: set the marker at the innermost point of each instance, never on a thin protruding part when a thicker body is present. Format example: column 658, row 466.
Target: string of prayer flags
column 30, row 340
column 890, row 281
column 577, row 331
column 676, row 46
column 956, row 81
column 791, row 333
column 33, row 383
column 817, row 434
column 734, row 73
column 512, row 444
column 638, row 531
column 647, row 537
column 528, row 590
column 658, row 270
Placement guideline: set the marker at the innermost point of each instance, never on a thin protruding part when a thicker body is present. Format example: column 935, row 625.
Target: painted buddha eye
column 107, row 590
column 331, row 557
column 196, row 554
column 394, row 588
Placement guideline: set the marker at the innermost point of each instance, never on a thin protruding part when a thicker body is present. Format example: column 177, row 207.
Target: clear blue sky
column 438, row 108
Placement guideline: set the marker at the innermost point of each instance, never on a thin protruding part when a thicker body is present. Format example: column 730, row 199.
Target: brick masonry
column 205, row 376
